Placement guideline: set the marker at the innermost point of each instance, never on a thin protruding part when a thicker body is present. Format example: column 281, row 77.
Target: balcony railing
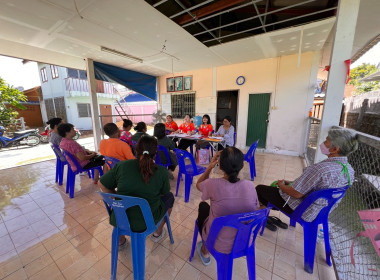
column 344, row 221
column 80, row 85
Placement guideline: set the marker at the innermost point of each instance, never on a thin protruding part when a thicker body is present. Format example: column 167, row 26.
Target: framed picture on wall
column 169, row 84
column 178, row 83
column 188, row 83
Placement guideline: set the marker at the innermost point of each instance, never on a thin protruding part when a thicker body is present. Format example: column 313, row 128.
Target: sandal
column 158, row 238
column 270, row 225
column 205, row 261
column 276, row 221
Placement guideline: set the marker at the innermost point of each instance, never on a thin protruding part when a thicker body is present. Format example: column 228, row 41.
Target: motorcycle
column 45, row 135
column 28, row 137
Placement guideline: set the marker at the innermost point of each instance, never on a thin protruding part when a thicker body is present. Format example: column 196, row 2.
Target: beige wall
column 288, row 109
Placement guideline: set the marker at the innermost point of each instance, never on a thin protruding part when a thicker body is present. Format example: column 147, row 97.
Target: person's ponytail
column 146, row 149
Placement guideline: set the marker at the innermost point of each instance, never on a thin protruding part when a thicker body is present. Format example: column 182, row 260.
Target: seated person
column 141, row 131
column 171, row 126
column 188, row 128
column 143, row 178
column 85, row 158
column 163, row 140
column 126, row 135
column 54, row 137
column 228, row 195
column 227, row 131
column 205, row 129
column 333, row 172
column 114, row 147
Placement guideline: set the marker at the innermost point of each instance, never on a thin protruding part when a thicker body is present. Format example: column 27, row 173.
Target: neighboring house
column 32, row 113
column 65, row 94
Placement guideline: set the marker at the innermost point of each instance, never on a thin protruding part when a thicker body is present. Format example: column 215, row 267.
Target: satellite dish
column 20, row 88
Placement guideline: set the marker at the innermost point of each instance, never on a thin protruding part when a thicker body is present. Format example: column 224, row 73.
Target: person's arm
column 83, row 156
column 289, row 190
column 211, row 129
column 104, row 189
column 206, row 174
column 127, row 152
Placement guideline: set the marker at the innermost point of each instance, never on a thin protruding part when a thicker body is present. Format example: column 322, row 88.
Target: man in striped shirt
column 333, row 172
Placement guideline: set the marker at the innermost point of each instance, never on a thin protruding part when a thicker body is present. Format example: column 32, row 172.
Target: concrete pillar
column 341, row 50
column 96, row 125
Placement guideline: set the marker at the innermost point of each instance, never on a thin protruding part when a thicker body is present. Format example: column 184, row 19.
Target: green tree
column 360, row 72
column 10, row 96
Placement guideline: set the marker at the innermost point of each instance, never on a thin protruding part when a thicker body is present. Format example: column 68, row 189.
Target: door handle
column 267, row 121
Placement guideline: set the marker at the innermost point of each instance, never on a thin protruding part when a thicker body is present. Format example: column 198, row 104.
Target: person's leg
column 168, row 200
column 203, row 213
column 270, row 194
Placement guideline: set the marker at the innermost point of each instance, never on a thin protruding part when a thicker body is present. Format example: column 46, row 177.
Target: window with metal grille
column 77, row 74
column 183, row 104
column 43, row 75
column 84, row 110
column 54, row 71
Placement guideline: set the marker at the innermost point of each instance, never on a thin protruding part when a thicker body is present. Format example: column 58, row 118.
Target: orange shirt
column 187, row 127
column 115, row 148
column 205, row 130
column 172, row 125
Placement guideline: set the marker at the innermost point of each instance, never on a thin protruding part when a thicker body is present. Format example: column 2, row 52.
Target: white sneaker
column 156, row 239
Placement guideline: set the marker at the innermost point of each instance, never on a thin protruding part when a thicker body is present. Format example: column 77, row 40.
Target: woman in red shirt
column 205, row 129
column 171, row 125
column 188, row 128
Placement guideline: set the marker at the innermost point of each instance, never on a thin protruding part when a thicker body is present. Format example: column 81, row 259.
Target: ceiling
column 67, row 32
column 218, row 22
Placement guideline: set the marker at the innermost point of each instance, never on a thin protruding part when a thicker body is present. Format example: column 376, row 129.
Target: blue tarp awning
column 142, row 83
column 135, row 97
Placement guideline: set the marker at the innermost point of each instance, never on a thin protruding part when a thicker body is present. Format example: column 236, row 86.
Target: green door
column 258, row 114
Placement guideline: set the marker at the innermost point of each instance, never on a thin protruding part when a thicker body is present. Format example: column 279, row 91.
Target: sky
column 26, row 75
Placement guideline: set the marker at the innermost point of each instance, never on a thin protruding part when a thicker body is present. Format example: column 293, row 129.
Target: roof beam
column 215, row 7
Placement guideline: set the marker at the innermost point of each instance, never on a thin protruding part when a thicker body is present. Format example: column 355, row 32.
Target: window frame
column 54, row 72
column 88, row 109
column 185, row 107
column 43, row 72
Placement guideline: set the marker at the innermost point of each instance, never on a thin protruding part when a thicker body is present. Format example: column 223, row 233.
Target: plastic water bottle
column 320, row 235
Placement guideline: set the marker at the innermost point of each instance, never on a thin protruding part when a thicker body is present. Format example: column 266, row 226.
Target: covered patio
column 46, row 235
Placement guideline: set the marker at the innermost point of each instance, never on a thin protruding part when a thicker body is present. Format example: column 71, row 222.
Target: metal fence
column 344, row 221
column 312, row 139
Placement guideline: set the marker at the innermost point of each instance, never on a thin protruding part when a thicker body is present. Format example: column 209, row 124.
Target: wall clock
column 240, row 80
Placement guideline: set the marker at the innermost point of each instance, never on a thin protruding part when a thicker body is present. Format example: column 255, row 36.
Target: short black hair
column 110, row 129
column 140, row 127
column 53, row 122
column 208, row 119
column 228, row 118
column 159, row 130
column 231, row 162
column 64, row 128
column 127, row 123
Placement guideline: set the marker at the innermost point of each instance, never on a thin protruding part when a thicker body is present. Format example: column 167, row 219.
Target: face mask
column 324, row 149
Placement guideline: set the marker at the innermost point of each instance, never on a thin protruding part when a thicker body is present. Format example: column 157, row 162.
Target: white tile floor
column 46, row 235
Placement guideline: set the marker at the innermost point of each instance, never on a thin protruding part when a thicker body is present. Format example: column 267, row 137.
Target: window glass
column 183, row 104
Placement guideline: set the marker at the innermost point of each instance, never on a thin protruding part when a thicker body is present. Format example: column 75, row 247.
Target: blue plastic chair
column 163, row 151
column 234, row 139
column 134, row 143
column 189, row 170
column 119, row 205
column 60, row 165
column 247, row 225
column 110, row 161
column 250, row 158
column 310, row 229
column 71, row 174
